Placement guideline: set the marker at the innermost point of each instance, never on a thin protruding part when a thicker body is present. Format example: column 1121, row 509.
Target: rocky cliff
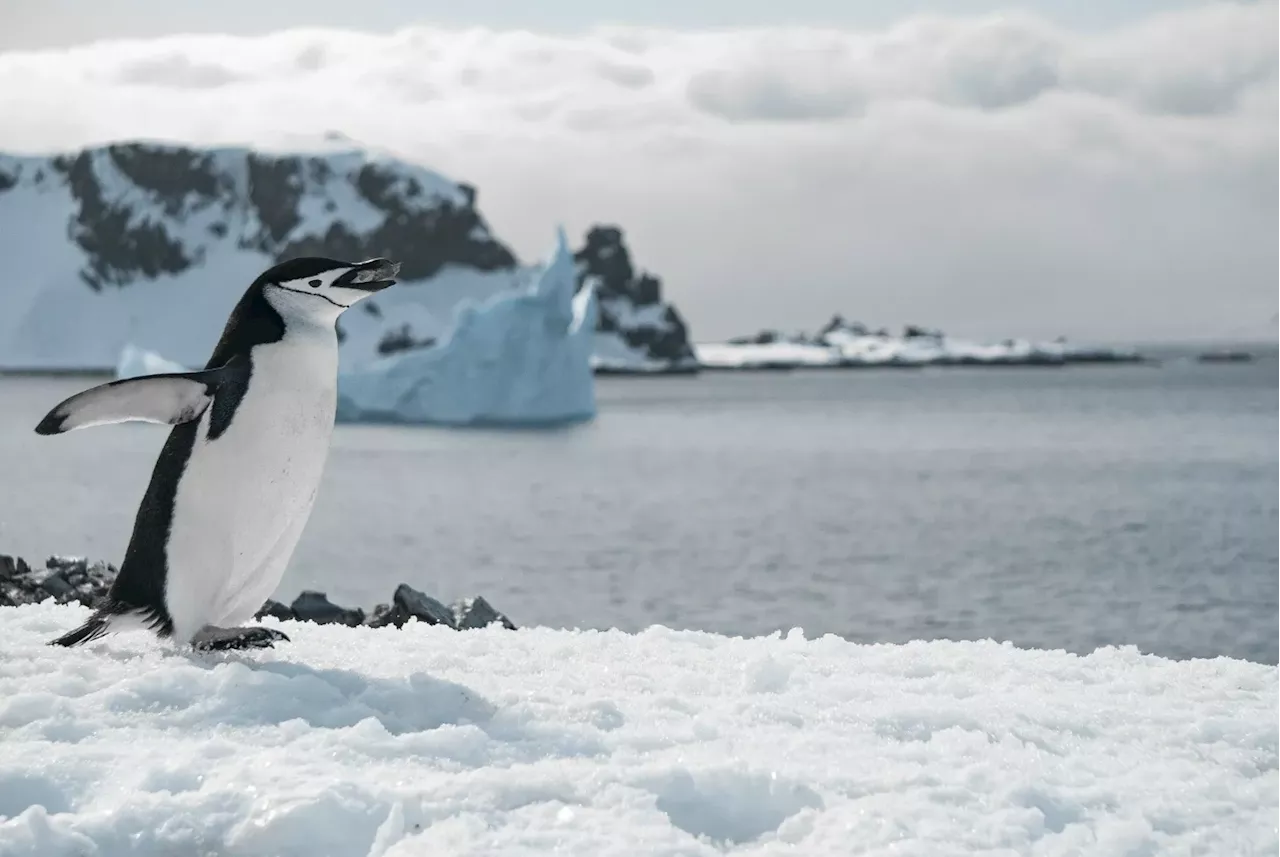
column 637, row 330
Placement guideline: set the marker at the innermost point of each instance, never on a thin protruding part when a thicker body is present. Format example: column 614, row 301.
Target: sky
column 1101, row 170
column 35, row 24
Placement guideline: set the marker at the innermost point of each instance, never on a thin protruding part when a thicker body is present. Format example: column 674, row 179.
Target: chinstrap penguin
column 235, row 482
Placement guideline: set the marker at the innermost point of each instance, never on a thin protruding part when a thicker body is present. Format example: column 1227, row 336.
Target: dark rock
column 276, row 610
column 94, row 583
column 13, row 566
column 65, row 578
column 837, row 322
column 311, row 606
column 409, row 603
column 423, row 238
column 475, row 612
column 913, row 331
column 1225, row 356
column 402, row 339
column 14, row 593
column 68, row 565
column 119, row 245
column 69, row 579
column 275, row 188
column 57, row 586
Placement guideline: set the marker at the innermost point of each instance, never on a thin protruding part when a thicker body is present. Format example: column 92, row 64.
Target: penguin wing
column 168, row 399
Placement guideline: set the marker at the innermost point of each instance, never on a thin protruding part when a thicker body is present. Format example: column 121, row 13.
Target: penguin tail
column 97, row 626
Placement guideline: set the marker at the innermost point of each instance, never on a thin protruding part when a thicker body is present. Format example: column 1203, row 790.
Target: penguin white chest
column 246, row 493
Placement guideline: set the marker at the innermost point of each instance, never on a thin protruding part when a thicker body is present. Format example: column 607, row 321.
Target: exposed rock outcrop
column 67, row 579
column 637, row 330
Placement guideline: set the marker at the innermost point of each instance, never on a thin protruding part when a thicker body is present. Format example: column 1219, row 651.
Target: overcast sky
column 1101, row 169
column 35, row 24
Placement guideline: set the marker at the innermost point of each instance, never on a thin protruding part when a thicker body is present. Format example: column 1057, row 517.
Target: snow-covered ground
column 522, row 357
column 430, row 741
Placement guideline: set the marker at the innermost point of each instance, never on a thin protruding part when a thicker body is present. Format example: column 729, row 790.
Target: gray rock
column 470, row 613
column 13, row 566
column 14, row 594
column 69, row 578
column 408, row 603
column 277, row 610
column 57, row 586
column 312, row 606
column 67, row 566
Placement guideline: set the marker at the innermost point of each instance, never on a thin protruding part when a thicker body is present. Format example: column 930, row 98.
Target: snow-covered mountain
column 152, row 244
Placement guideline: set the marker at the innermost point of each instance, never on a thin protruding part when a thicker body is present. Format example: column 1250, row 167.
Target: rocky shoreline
column 67, row 579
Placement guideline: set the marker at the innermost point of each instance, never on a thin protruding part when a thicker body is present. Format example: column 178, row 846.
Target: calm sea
column 1055, row 508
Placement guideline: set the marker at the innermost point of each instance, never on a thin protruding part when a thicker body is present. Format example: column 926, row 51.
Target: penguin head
column 313, row 287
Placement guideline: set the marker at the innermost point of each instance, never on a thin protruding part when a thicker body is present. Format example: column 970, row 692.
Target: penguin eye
column 315, row 284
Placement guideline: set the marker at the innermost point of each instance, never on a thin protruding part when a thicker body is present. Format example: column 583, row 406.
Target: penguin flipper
column 168, row 399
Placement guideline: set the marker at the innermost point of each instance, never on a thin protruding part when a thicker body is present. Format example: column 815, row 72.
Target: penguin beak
column 371, row 276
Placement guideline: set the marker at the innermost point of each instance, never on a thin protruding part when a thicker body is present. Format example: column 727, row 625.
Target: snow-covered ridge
column 422, row 740
column 841, row 344
column 140, row 209
column 153, row 243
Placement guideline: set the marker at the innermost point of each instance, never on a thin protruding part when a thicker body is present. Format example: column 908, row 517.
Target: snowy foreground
column 431, row 741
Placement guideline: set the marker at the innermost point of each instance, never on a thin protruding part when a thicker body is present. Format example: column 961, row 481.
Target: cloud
column 995, row 175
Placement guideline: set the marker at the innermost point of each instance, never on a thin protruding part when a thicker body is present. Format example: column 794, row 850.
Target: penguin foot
column 213, row 639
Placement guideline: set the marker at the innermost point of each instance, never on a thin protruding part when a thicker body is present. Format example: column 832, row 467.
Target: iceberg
column 135, row 361
column 520, row 358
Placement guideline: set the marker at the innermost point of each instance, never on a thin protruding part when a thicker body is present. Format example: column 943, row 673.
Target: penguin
column 235, row 482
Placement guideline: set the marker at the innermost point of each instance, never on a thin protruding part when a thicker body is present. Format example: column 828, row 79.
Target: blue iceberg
column 520, row 358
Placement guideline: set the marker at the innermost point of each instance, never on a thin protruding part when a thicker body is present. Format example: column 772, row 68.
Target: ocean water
column 1053, row 508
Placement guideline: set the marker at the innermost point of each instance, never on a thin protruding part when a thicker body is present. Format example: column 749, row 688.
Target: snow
column 852, row 345
column 630, row 316
column 520, row 358
column 723, row 355
column 423, row 740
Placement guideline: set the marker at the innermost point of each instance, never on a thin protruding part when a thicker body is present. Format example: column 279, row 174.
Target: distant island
column 840, row 344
